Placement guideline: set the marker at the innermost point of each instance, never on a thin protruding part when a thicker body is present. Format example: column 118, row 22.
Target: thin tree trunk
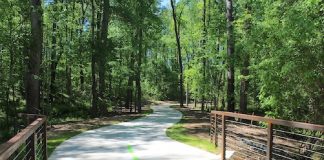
column 177, row 34
column 93, row 64
column 204, row 58
column 53, row 65
column 53, row 59
column 82, row 22
column 34, row 58
column 245, row 71
column 138, row 75
column 230, row 53
column 129, row 96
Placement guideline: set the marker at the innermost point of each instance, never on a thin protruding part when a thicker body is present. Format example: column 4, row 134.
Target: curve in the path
column 141, row 139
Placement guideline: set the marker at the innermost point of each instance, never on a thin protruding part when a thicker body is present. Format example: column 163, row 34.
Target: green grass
column 53, row 142
column 179, row 133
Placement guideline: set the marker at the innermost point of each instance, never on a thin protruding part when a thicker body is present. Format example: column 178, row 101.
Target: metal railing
column 255, row 137
column 29, row 143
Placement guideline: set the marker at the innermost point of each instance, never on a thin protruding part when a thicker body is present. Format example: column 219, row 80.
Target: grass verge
column 55, row 141
column 180, row 133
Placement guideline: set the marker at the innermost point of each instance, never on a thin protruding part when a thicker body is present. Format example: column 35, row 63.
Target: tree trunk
column 53, row 64
column 230, row 53
column 177, row 34
column 34, row 58
column 204, row 58
column 129, row 96
column 102, row 60
column 93, row 64
column 53, row 59
column 245, row 70
column 68, row 79
column 244, row 86
column 82, row 22
column 138, row 75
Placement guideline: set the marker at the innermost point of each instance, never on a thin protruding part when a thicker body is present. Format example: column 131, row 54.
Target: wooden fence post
column 215, row 132
column 44, row 141
column 223, row 138
column 270, row 141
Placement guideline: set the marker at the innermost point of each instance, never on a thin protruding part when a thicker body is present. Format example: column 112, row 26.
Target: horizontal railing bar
column 250, row 149
column 8, row 148
column 245, row 149
column 314, row 127
column 278, row 130
column 287, row 151
column 259, row 143
column 282, row 156
column 297, row 141
column 245, row 155
column 296, row 148
column 241, row 153
column 245, row 124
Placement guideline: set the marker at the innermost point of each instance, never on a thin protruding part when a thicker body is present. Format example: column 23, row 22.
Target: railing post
column 215, row 132
column 223, row 138
column 44, row 141
column 31, row 147
column 270, row 141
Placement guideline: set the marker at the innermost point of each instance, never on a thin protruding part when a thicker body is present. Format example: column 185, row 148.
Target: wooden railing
column 29, row 143
column 255, row 137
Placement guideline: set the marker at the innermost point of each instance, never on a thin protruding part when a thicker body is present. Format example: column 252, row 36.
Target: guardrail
column 29, row 143
column 255, row 137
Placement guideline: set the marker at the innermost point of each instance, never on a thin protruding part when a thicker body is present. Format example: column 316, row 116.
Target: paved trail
column 141, row 139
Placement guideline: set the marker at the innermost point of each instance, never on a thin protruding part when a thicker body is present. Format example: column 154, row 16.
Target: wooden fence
column 255, row 137
column 29, row 143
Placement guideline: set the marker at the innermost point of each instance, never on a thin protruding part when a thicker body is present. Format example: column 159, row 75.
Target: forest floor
column 59, row 133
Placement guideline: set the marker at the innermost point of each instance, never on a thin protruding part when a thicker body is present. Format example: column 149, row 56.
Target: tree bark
column 34, row 58
column 82, row 22
column 177, row 34
column 102, row 60
column 138, row 74
column 230, row 54
column 204, row 58
column 53, row 60
column 94, row 107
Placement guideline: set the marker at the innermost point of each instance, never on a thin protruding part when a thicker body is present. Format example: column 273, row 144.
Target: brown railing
column 29, row 143
column 255, row 137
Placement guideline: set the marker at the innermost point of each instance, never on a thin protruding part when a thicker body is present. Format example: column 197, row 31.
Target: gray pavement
column 141, row 139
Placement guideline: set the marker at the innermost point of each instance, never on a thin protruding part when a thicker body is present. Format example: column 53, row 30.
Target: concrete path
column 141, row 139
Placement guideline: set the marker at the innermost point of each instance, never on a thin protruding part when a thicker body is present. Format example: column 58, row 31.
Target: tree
column 177, row 35
column 94, row 106
column 245, row 69
column 102, row 54
column 34, row 58
column 230, row 53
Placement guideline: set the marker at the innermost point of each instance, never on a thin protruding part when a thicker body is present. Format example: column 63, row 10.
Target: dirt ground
column 73, row 126
column 196, row 122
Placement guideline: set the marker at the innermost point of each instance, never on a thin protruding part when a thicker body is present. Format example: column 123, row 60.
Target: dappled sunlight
column 146, row 136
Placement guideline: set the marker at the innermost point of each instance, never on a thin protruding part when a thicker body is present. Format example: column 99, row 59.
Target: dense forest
column 89, row 58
